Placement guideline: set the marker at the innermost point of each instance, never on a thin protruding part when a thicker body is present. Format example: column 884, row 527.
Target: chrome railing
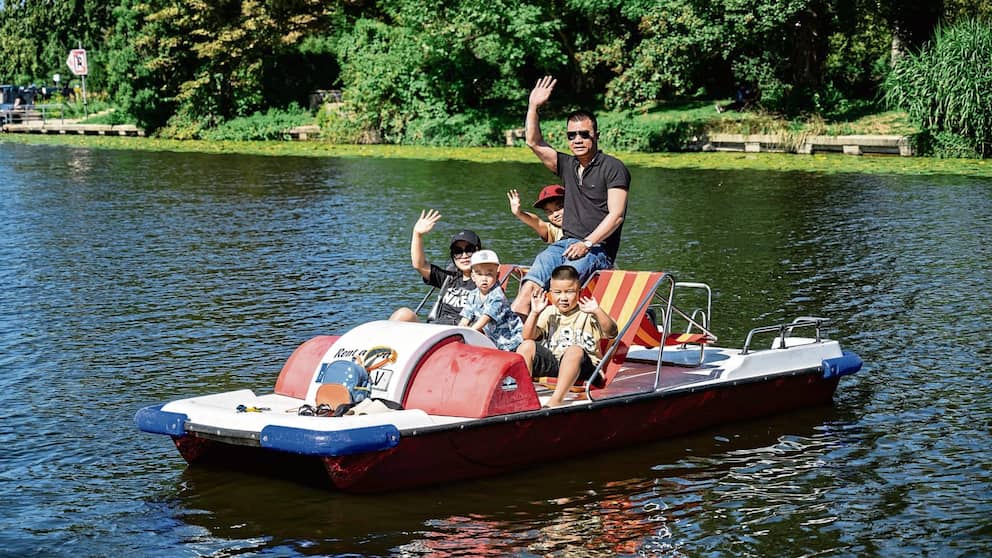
column 635, row 321
column 785, row 330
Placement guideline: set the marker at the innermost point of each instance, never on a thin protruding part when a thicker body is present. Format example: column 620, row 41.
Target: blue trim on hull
column 849, row 363
column 153, row 419
column 330, row 443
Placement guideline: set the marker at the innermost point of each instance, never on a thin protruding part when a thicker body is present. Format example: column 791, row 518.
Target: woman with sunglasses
column 596, row 187
column 455, row 282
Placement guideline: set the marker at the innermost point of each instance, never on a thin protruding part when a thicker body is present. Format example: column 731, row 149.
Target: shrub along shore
column 822, row 163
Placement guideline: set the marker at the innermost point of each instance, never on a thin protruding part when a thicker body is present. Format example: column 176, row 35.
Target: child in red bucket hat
column 552, row 201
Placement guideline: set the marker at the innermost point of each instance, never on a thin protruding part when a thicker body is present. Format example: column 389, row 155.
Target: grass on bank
column 822, row 163
column 659, row 127
column 671, row 127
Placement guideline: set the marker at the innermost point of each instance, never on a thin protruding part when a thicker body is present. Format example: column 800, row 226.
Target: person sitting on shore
column 455, row 284
column 551, row 200
column 487, row 309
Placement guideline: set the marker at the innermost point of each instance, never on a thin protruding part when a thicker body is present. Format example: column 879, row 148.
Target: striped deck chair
column 625, row 296
column 646, row 333
column 620, row 294
column 510, row 270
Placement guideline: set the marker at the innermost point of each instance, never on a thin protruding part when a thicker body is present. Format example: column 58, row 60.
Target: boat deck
column 637, row 375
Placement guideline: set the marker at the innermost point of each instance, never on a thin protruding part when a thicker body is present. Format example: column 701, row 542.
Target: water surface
column 131, row 278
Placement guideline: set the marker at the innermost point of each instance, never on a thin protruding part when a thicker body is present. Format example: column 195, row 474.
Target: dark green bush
column 182, row 126
column 271, row 125
column 459, row 130
column 947, row 89
column 625, row 133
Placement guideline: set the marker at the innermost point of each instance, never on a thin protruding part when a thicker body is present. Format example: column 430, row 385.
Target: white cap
column 484, row 257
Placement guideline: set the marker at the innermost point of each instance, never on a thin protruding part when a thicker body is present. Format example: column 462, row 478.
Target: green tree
column 424, row 60
column 205, row 61
column 777, row 46
column 36, row 36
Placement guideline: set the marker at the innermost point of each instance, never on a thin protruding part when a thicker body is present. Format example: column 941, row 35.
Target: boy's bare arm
column 538, row 302
column 527, row 218
column 608, row 326
column 606, row 323
column 481, row 322
column 530, row 327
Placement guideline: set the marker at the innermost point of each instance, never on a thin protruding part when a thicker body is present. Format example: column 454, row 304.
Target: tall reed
column 947, row 89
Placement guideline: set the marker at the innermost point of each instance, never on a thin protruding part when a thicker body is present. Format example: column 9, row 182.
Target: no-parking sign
column 77, row 61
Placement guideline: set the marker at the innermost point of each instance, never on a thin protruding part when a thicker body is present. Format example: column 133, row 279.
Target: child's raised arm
column 529, row 219
column 481, row 323
column 538, row 302
column 589, row 305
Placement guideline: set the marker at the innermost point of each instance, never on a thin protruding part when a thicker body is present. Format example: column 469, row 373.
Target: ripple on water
column 132, row 278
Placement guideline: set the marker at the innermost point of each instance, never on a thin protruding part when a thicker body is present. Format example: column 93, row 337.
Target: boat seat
column 508, row 271
column 620, row 293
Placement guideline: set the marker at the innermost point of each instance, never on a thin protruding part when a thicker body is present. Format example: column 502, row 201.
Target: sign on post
column 77, row 62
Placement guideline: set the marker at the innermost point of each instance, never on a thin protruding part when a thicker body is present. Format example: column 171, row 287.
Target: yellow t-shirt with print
column 561, row 331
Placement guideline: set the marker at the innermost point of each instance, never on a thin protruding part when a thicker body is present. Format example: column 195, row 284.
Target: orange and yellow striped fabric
column 619, row 293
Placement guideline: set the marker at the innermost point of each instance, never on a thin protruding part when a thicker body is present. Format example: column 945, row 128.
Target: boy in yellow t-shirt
column 569, row 332
column 552, row 201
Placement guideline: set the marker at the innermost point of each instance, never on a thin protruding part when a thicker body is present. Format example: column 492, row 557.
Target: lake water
column 131, row 278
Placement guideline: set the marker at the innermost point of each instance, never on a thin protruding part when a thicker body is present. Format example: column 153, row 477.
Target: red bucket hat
column 550, row 191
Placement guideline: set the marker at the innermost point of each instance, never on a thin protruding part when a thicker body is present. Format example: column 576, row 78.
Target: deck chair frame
column 625, row 336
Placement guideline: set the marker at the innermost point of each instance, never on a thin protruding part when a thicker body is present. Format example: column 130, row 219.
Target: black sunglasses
column 321, row 410
column 455, row 252
column 584, row 134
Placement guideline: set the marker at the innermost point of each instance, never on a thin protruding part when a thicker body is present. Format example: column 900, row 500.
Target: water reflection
column 644, row 501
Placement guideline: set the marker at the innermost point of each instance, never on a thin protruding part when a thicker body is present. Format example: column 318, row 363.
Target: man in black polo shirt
column 596, row 186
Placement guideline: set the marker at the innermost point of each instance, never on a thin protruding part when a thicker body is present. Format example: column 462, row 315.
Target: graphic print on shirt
column 455, row 296
column 561, row 337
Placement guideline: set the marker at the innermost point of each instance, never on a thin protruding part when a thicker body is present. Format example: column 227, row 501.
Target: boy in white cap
column 487, row 309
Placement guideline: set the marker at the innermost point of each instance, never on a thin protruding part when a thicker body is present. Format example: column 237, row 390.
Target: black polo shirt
column 585, row 197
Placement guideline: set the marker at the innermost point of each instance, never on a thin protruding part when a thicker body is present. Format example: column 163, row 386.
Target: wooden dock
column 807, row 145
column 56, row 127
column 776, row 143
column 304, row 133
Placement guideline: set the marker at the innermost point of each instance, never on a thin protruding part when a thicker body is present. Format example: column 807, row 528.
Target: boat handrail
column 707, row 316
column 785, row 329
column 423, row 301
column 696, row 312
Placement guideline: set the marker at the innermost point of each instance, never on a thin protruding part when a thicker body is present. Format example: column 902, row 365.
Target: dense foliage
column 458, row 72
column 948, row 88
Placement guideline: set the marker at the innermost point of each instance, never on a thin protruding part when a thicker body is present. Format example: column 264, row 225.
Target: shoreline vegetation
column 456, row 74
column 722, row 161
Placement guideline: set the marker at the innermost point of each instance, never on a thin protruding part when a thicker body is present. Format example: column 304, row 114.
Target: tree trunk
column 896, row 50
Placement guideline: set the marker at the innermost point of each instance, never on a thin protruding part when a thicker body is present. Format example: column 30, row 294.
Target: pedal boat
column 470, row 410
